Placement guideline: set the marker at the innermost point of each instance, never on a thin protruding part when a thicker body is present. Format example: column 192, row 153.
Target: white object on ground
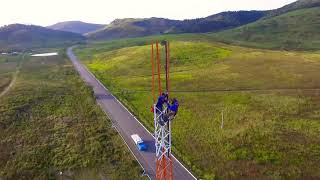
column 45, row 54
column 136, row 138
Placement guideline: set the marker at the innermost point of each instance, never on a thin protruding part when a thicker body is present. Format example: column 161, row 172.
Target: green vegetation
column 294, row 30
column 269, row 100
column 130, row 27
column 50, row 123
column 299, row 4
column 9, row 66
column 102, row 46
column 299, row 27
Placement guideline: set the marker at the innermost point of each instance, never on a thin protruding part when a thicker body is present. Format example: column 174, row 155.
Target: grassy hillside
column 294, row 30
column 126, row 28
column 23, row 37
column 218, row 22
column 7, row 69
column 269, row 100
column 50, row 123
column 76, row 27
column 300, row 4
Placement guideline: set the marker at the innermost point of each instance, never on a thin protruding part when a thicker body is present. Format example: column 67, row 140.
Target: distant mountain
column 76, row 27
column 299, row 29
column 21, row 37
column 124, row 28
column 218, row 22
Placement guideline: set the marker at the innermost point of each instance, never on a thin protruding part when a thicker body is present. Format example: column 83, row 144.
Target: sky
column 48, row 12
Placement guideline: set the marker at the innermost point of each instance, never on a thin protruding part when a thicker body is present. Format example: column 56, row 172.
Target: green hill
column 300, row 4
column 123, row 28
column 126, row 28
column 294, row 30
column 218, row 22
column 22, row 37
column 76, row 27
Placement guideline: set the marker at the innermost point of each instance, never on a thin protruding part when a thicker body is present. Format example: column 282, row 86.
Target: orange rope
column 152, row 62
column 168, row 69
column 158, row 62
column 170, row 165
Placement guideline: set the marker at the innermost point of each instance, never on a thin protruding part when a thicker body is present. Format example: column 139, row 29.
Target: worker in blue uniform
column 163, row 98
column 172, row 110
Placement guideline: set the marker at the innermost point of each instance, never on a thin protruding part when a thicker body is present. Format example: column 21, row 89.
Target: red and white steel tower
column 162, row 131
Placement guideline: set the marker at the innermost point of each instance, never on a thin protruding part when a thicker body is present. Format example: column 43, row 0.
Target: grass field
column 50, row 123
column 269, row 100
column 9, row 65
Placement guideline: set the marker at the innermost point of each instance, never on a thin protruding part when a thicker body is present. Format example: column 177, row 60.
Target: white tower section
column 163, row 145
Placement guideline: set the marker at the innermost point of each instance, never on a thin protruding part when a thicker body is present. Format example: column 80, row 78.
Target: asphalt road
column 126, row 124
